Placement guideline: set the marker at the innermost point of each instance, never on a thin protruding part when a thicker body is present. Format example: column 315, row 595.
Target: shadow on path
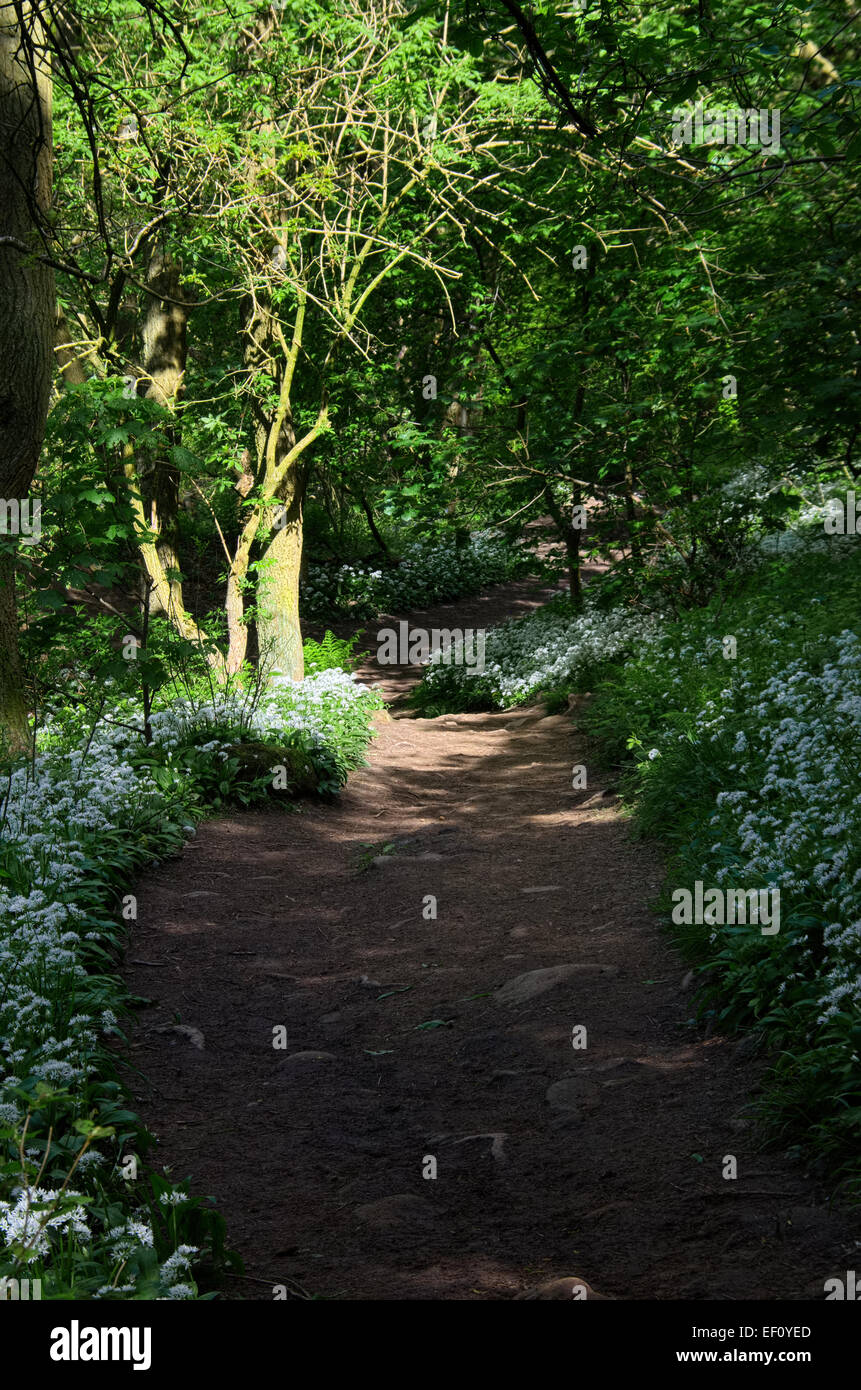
column 605, row 1161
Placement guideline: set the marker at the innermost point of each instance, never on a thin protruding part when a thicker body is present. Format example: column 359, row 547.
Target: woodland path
column 604, row 1163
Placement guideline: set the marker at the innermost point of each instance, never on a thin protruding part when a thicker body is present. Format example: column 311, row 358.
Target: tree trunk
column 279, row 635
column 27, row 301
column 165, row 354
column 158, row 590
column 570, row 536
column 155, row 498
column 70, row 363
column 631, row 518
column 372, row 523
column 237, row 628
column 14, row 726
column 283, row 477
column 572, row 549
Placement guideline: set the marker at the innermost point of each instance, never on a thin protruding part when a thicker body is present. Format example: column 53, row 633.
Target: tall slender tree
column 27, row 310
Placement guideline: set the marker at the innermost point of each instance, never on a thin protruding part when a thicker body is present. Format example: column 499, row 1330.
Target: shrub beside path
column 410, row 1038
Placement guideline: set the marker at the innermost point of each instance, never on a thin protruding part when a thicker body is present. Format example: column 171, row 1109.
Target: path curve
column 551, row 1160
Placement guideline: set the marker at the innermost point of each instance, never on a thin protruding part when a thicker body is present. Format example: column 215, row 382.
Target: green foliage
column 560, row 648
column 370, row 852
column 123, row 1237
column 94, row 808
column 746, row 768
column 427, row 571
column 374, row 227
column 332, row 653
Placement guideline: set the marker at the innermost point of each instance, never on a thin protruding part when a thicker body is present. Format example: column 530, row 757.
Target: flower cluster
column 31, row 1214
column 76, row 825
column 747, row 760
column 428, row 572
column 550, row 648
column 786, row 810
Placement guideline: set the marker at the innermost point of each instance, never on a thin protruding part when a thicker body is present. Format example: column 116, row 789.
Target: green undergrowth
column 738, row 729
column 83, row 1213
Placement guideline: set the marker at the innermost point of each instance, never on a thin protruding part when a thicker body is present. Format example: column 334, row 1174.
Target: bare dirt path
column 604, row 1162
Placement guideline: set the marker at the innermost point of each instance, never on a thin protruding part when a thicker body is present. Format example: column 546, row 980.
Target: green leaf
column 116, row 436
column 49, row 599
column 184, row 460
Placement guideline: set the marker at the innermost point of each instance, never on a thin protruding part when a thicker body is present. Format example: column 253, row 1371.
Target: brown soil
column 270, row 919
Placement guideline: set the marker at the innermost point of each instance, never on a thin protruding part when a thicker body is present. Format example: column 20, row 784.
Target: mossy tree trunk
column 279, row 634
column 155, row 497
column 164, row 359
column 273, row 526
